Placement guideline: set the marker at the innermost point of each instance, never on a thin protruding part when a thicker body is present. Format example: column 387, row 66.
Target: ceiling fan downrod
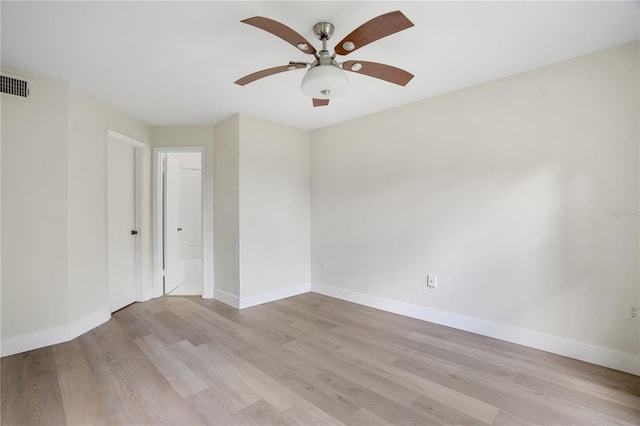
column 323, row 31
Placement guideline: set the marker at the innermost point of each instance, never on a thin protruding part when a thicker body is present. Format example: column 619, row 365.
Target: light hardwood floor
column 306, row 360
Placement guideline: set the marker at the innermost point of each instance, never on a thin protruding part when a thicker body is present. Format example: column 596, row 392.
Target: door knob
column 134, row 232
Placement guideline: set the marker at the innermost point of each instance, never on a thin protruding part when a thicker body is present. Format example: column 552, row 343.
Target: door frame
column 114, row 136
column 157, row 203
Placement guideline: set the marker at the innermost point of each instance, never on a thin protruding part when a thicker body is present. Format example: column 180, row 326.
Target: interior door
column 122, row 232
column 171, row 224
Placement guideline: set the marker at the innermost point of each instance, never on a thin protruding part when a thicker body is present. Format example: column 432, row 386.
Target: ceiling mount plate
column 323, row 30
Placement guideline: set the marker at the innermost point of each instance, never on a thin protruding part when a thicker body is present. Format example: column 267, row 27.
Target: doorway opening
column 179, row 221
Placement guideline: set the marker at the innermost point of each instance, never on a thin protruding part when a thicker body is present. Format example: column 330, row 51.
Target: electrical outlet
column 323, row 264
column 432, row 281
column 632, row 313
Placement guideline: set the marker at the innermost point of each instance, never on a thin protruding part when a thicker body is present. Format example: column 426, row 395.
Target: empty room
column 320, row 213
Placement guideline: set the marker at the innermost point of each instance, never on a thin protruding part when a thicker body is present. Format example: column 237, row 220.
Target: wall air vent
column 14, row 86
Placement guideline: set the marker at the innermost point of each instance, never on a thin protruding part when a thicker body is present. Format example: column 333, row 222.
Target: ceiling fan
column 326, row 77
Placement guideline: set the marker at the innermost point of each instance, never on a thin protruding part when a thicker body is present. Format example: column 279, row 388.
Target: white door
column 121, row 224
column 171, row 224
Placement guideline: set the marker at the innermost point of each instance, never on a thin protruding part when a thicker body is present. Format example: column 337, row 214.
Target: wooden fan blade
column 282, row 31
column 381, row 71
column 373, row 30
column 320, row 102
column 266, row 73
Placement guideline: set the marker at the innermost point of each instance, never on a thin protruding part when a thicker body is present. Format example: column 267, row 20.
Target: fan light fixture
column 325, row 82
column 326, row 78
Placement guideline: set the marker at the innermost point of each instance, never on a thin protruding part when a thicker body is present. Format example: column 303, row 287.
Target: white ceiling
column 174, row 63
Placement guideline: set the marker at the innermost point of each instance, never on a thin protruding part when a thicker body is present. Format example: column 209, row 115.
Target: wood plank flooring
column 305, row 360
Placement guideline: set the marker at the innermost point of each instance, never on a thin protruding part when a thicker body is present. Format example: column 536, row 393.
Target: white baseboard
column 88, row 322
column 207, row 291
column 599, row 355
column 146, row 295
column 227, row 298
column 259, row 298
column 270, row 296
column 51, row 336
column 38, row 339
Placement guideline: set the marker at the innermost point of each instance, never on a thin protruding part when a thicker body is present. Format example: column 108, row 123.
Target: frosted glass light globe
column 325, row 82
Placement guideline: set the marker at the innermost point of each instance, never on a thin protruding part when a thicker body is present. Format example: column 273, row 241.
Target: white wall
column 196, row 136
column 274, row 208
column 262, row 211
column 521, row 194
column 87, row 201
column 34, row 213
column 504, row 190
column 54, row 240
column 225, row 210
